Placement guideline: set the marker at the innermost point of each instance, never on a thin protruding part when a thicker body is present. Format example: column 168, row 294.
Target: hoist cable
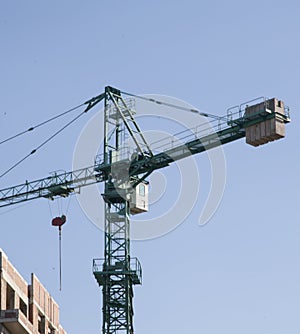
column 41, row 124
column 45, row 142
column 59, row 257
column 68, row 205
column 50, row 209
column 175, row 106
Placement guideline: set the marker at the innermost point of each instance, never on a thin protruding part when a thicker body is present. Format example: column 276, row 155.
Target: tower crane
column 125, row 186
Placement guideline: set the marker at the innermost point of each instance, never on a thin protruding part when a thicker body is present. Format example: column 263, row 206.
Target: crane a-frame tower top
column 124, row 173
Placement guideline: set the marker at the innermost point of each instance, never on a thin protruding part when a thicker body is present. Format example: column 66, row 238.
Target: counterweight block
column 271, row 128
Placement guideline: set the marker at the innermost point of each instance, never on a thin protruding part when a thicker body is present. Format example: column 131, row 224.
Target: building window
column 142, row 190
column 23, row 307
column 10, row 297
column 41, row 324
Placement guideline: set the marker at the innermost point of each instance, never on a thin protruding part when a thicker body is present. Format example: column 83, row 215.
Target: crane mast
column 124, row 165
column 118, row 272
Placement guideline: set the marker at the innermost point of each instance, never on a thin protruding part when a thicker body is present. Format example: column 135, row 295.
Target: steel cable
column 43, row 143
column 41, row 124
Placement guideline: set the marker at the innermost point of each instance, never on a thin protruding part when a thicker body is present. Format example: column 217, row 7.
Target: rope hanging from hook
column 59, row 221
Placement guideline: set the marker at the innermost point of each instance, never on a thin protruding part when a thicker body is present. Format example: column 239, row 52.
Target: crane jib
column 65, row 184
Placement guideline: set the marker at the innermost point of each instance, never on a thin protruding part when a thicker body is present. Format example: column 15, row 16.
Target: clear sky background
column 239, row 273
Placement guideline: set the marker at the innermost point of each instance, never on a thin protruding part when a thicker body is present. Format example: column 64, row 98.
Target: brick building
column 25, row 309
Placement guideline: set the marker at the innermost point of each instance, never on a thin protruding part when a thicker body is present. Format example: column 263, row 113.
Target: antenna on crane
column 59, row 221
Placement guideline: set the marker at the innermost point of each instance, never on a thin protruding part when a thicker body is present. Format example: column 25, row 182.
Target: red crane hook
column 59, row 221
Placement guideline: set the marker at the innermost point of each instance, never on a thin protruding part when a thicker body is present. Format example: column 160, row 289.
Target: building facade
column 25, row 309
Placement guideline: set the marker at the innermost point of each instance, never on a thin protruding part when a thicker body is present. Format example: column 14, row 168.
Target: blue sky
column 240, row 272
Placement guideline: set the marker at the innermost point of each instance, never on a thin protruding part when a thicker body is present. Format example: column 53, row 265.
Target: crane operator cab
column 139, row 198
column 136, row 196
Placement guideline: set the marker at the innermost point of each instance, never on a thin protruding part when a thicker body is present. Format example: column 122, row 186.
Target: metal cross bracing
column 117, row 275
column 123, row 170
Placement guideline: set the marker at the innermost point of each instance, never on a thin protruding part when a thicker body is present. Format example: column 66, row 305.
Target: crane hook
column 59, row 221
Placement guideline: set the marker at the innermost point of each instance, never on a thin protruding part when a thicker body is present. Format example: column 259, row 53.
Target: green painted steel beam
column 70, row 181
